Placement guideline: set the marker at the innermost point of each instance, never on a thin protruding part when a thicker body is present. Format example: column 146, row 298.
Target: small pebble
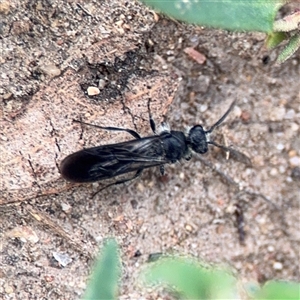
column 295, row 161
column 290, row 114
column 278, row 113
column 203, row 108
column 4, row 7
column 277, row 265
column 8, row 289
column 280, row 147
column 50, row 70
column 188, row 227
column 294, row 126
column 273, row 172
column 66, row 207
column 292, row 153
column 282, row 169
column 101, row 84
column 63, row 258
column 245, row 116
column 92, row 91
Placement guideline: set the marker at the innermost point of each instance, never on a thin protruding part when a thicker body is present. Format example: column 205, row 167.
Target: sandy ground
column 52, row 51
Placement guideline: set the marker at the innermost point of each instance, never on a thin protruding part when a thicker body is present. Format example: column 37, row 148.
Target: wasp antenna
column 222, row 118
column 220, row 146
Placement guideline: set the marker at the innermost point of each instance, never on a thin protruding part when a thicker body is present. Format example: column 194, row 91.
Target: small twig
column 46, row 220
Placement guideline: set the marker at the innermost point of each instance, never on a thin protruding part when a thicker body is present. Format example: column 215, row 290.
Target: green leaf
column 280, row 290
column 274, row 39
column 255, row 15
column 104, row 280
column 190, row 280
column 290, row 49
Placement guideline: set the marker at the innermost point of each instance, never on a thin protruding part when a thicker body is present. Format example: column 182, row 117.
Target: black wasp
column 107, row 161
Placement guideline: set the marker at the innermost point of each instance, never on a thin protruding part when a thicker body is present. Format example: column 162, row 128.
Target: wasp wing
column 107, row 161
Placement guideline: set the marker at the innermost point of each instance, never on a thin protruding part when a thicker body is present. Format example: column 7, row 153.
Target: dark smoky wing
column 143, row 150
column 107, row 161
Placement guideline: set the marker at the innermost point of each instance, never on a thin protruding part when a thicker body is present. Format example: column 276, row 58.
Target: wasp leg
column 237, row 155
column 137, row 174
column 130, row 131
column 152, row 123
column 162, row 169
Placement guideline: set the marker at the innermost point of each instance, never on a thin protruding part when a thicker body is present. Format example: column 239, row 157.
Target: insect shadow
column 108, row 161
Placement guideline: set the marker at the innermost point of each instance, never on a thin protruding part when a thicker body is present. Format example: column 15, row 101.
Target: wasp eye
column 197, row 139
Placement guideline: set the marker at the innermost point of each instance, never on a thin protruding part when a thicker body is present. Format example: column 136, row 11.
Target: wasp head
column 197, row 139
